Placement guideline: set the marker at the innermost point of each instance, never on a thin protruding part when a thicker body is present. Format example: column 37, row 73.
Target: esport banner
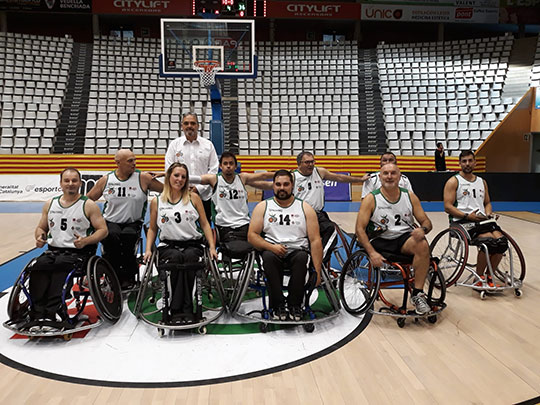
column 57, row 6
column 41, row 187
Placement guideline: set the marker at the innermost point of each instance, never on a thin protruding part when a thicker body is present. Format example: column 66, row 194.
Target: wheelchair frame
column 248, row 278
column 148, row 280
column 99, row 283
column 507, row 277
column 359, row 276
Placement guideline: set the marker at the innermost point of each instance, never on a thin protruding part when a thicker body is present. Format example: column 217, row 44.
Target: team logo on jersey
column 164, row 219
column 110, row 190
column 51, row 224
column 384, row 220
column 221, row 195
column 466, row 192
column 272, row 219
column 300, row 188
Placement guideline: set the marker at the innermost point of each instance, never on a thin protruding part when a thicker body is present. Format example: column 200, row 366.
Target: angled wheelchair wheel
column 435, row 286
column 512, row 259
column 19, row 299
column 105, row 289
column 359, row 283
column 451, row 248
column 145, row 282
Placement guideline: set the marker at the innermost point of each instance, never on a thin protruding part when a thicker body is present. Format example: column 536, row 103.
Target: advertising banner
column 455, row 3
column 293, row 9
column 39, row 187
column 414, row 13
column 537, row 98
column 144, row 7
column 57, row 6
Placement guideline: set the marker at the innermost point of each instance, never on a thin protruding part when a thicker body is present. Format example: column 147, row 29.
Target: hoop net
column 207, row 70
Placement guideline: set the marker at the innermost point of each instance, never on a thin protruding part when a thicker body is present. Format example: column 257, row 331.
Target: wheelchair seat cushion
column 236, row 249
column 397, row 258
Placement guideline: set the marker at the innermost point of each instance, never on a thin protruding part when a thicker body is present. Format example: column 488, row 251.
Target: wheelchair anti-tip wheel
column 359, row 283
column 451, row 247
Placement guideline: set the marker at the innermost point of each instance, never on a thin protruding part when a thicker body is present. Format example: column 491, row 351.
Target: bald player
column 126, row 194
column 393, row 209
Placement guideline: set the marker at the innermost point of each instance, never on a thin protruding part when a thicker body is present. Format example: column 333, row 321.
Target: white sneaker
column 421, row 306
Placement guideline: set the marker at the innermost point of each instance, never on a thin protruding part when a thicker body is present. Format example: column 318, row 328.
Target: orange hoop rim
column 206, row 65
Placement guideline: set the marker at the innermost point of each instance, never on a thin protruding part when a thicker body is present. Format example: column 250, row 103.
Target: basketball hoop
column 207, row 70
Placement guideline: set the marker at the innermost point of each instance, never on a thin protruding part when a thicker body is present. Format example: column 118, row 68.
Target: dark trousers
column 328, row 234
column 47, row 277
column 119, row 249
column 182, row 277
column 297, row 262
column 208, row 210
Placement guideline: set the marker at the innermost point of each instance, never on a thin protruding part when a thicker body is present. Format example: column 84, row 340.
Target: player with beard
column 466, row 200
column 230, row 197
column 392, row 210
column 291, row 233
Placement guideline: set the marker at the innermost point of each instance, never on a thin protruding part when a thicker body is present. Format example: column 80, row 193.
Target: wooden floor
column 482, row 352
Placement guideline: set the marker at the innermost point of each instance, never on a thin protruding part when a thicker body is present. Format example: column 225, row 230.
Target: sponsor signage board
column 451, row 3
column 144, row 7
column 41, row 187
column 293, row 9
column 537, row 98
column 57, row 6
column 416, row 13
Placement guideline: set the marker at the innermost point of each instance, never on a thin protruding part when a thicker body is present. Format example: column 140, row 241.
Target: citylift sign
column 146, row 7
column 326, row 10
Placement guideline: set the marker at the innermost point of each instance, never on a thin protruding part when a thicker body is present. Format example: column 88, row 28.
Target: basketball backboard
column 231, row 43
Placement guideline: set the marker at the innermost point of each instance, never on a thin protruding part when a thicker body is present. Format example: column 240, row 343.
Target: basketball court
column 478, row 351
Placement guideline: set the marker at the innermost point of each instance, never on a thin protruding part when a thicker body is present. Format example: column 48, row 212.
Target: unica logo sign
column 382, row 13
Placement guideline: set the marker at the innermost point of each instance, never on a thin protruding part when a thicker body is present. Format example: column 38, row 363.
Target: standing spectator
column 440, row 163
column 197, row 153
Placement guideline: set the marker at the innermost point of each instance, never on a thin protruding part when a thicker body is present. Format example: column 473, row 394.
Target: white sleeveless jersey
column 125, row 199
column 374, row 182
column 469, row 196
column 66, row 222
column 310, row 189
column 285, row 225
column 230, row 203
column 397, row 218
column 177, row 222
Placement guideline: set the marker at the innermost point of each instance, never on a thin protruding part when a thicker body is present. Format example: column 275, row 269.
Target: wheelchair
column 251, row 285
column 452, row 247
column 361, row 284
column 152, row 304
column 91, row 280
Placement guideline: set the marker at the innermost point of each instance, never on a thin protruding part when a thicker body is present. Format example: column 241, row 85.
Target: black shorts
column 478, row 228
column 390, row 245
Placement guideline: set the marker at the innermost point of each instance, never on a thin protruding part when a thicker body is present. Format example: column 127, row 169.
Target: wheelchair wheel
column 359, row 283
column 19, row 299
column 512, row 259
column 451, row 248
column 105, row 289
column 145, row 282
column 435, row 286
